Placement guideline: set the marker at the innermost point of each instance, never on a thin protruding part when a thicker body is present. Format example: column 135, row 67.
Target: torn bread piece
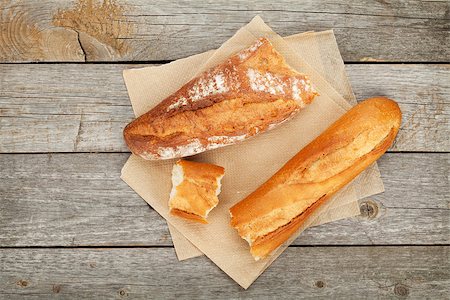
column 195, row 187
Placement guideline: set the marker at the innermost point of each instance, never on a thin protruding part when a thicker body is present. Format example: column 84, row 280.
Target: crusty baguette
column 195, row 187
column 273, row 212
column 251, row 92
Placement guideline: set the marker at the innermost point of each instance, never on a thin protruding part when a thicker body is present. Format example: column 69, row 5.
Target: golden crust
column 273, row 212
column 251, row 92
column 187, row 215
column 200, row 171
column 195, row 189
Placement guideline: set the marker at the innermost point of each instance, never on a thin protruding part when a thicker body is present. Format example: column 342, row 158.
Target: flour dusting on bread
column 178, row 103
column 219, row 141
column 193, row 147
column 244, row 54
column 265, row 82
column 212, row 85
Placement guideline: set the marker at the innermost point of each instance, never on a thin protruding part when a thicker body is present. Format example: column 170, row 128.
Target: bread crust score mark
column 252, row 92
column 277, row 209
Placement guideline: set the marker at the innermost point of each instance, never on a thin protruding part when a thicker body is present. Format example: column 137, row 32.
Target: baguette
column 195, row 187
column 276, row 210
column 251, row 92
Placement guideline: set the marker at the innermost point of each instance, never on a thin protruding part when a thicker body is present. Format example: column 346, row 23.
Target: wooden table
column 69, row 227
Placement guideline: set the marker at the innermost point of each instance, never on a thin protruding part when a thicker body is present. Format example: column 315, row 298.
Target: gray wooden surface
column 78, row 200
column 70, row 228
column 60, row 107
column 148, row 273
column 59, row 30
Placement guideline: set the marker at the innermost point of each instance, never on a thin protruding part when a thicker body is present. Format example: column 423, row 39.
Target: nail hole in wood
column 56, row 288
column 320, row 284
column 123, row 293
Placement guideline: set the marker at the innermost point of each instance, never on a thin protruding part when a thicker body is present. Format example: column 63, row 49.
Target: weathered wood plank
column 60, row 108
column 336, row 272
column 67, row 30
column 79, row 200
column 423, row 93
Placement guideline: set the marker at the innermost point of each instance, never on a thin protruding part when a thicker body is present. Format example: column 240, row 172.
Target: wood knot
column 320, row 284
column 123, row 293
column 101, row 26
column 56, row 288
column 92, row 264
column 401, row 290
column 22, row 283
column 369, row 209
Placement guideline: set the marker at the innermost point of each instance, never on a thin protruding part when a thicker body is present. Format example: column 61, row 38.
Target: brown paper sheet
column 186, row 250
column 246, row 165
column 320, row 50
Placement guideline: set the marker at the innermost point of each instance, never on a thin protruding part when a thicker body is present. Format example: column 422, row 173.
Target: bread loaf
column 195, row 187
column 251, row 92
column 273, row 212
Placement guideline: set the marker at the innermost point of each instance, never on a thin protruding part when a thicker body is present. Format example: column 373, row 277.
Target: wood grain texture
column 60, row 108
column 336, row 272
column 165, row 30
column 72, row 200
column 23, row 39
column 79, row 200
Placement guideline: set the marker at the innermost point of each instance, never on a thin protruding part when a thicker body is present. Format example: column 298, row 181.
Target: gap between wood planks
column 124, row 152
column 162, row 62
column 282, row 10
column 170, row 246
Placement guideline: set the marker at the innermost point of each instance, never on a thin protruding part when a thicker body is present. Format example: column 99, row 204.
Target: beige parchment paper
column 320, row 50
column 247, row 164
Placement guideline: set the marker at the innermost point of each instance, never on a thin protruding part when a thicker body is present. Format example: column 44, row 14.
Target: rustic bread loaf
column 251, row 92
column 273, row 212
